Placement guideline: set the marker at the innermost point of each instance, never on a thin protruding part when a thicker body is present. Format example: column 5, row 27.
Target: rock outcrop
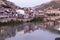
column 54, row 4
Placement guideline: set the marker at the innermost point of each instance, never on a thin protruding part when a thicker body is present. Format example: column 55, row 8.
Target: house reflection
column 10, row 31
column 29, row 27
column 26, row 28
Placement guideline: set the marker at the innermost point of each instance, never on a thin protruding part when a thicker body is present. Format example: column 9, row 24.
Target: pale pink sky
column 29, row 3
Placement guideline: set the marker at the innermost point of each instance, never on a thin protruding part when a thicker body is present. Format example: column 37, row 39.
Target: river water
column 29, row 31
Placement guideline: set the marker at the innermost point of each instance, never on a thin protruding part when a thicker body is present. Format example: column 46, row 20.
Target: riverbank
column 16, row 22
column 12, row 22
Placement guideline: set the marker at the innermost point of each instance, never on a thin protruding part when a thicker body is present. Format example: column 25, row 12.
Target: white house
column 19, row 12
column 56, row 11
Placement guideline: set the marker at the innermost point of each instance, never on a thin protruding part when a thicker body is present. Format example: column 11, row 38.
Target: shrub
column 38, row 19
column 6, row 6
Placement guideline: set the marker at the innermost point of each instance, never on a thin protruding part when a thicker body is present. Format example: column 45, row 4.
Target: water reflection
column 12, row 31
column 6, row 31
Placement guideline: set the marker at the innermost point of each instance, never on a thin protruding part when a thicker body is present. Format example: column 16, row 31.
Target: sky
column 28, row 3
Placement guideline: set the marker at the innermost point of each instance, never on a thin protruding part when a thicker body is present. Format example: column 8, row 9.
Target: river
column 29, row 31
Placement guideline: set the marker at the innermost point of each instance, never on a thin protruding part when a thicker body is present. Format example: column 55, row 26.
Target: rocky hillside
column 53, row 4
column 8, row 4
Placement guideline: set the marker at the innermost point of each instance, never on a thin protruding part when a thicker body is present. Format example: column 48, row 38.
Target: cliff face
column 53, row 4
